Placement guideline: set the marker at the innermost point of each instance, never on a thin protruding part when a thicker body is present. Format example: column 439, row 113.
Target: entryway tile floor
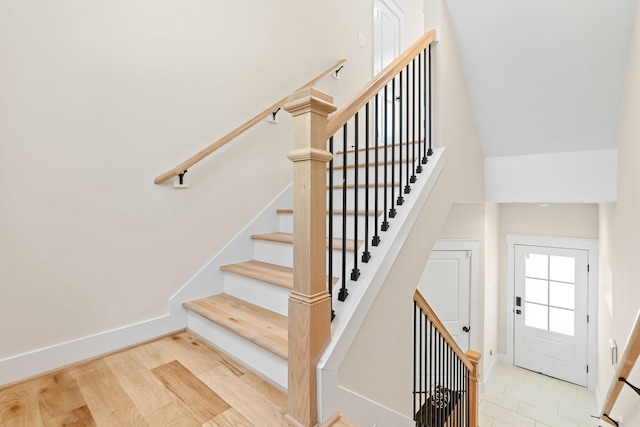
column 520, row 398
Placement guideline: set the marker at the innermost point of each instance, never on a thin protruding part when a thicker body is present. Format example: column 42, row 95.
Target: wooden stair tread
column 335, row 212
column 258, row 325
column 288, row 238
column 263, row 271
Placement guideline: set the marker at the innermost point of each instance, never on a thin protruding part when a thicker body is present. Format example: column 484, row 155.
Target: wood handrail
column 442, row 330
column 625, row 366
column 239, row 130
column 343, row 114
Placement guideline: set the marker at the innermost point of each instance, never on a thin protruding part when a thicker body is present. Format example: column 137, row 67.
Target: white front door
column 445, row 284
column 550, row 309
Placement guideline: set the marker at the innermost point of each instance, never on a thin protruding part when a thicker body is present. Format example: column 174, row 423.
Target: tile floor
column 520, row 398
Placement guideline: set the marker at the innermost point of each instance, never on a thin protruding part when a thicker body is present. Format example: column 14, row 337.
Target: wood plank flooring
column 175, row 381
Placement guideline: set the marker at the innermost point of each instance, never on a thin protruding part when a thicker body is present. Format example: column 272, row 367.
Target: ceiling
column 544, row 76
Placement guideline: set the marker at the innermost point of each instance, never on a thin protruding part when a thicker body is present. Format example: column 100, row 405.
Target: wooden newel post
column 474, row 358
column 309, row 303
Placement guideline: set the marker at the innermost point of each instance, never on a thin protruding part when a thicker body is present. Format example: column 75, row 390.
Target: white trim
column 589, row 245
column 54, row 357
column 486, row 378
column 472, row 246
column 396, row 10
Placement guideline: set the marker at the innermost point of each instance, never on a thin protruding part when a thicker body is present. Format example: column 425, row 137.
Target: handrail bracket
column 181, row 177
column 611, row 419
column 634, row 388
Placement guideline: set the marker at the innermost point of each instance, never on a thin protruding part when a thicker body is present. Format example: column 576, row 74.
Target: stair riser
column 286, row 225
column 351, row 192
column 266, row 295
column 259, row 359
column 338, row 173
column 351, row 157
column 282, row 254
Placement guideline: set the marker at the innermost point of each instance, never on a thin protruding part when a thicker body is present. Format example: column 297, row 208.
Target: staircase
column 249, row 320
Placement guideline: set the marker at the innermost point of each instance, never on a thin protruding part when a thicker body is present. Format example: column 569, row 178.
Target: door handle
column 518, row 311
column 466, row 328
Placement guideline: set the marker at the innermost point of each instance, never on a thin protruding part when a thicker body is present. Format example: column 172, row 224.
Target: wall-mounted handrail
column 239, row 130
column 375, row 85
column 625, row 366
column 442, row 330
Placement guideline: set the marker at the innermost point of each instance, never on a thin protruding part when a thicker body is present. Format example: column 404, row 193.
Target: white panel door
column 551, row 305
column 445, row 284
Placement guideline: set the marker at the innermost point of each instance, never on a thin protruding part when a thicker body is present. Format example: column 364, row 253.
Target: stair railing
column 314, row 132
column 389, row 124
column 625, row 366
column 182, row 168
column 445, row 379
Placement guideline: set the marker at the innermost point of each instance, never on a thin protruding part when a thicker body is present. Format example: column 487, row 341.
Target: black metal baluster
column 366, row 255
column 420, row 120
column 407, row 188
column 421, row 356
column 392, row 211
column 376, row 238
column 355, row 273
column 400, row 200
column 415, row 389
column 429, row 151
column 432, row 358
column 413, row 123
column 342, row 295
column 424, row 100
column 385, row 222
column 330, row 213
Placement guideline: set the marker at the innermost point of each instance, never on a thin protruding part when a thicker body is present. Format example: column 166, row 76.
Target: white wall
column 378, row 365
column 619, row 249
column 555, row 220
column 97, row 98
column 479, row 221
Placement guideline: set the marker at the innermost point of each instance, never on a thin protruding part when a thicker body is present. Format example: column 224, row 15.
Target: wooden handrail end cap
column 310, row 100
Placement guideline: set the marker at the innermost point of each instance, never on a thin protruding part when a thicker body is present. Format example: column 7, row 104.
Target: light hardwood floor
column 175, row 381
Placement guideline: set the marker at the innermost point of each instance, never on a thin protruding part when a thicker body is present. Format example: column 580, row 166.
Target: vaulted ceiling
column 544, row 76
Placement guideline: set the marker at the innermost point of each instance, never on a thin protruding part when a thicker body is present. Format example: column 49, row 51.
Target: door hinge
column 587, row 318
column 588, row 268
column 587, row 369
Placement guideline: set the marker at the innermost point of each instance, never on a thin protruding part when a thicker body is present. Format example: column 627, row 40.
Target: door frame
column 589, row 245
column 473, row 247
column 396, row 10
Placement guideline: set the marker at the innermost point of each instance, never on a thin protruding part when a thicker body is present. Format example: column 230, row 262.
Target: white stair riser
column 266, row 295
column 351, row 193
column 286, row 225
column 282, row 254
column 399, row 168
column 261, row 360
column 351, row 157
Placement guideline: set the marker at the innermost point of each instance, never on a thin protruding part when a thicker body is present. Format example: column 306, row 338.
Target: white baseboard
column 366, row 413
column 47, row 359
column 487, row 377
